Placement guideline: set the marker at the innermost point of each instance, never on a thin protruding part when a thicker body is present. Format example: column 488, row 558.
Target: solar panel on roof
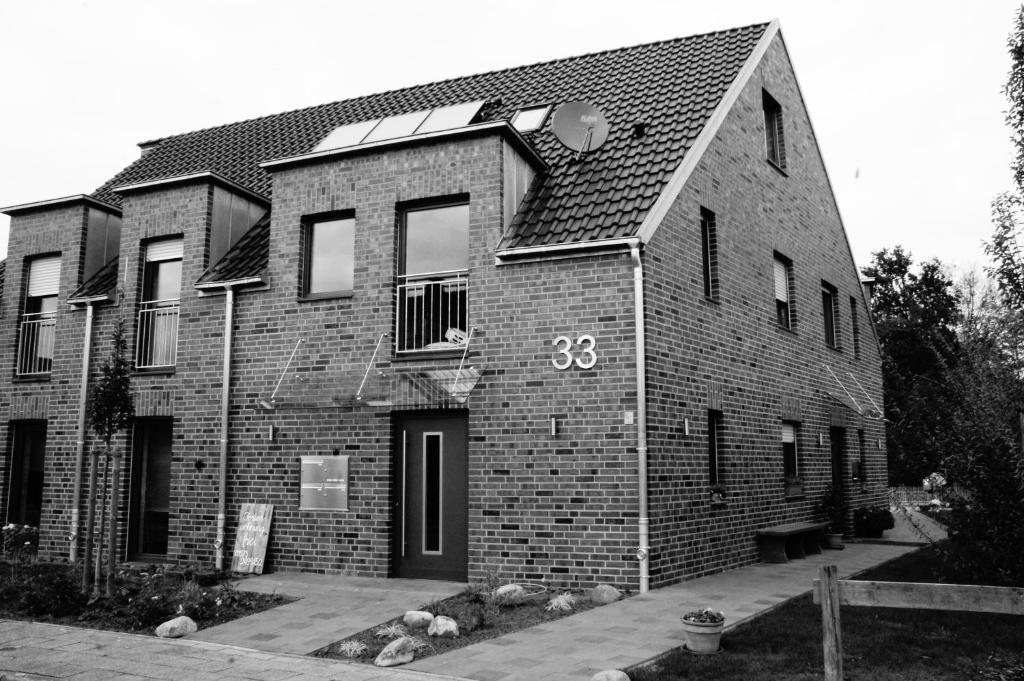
column 392, row 127
column 450, row 117
column 346, row 135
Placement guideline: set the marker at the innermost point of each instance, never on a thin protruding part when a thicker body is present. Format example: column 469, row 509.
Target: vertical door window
column 714, row 426
column 433, row 494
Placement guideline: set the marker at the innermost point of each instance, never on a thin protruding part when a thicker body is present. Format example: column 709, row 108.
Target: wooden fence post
column 832, row 640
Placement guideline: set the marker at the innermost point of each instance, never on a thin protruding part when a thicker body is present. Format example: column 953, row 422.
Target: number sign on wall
column 584, row 356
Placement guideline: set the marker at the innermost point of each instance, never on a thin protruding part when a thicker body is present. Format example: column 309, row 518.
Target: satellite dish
column 580, row 126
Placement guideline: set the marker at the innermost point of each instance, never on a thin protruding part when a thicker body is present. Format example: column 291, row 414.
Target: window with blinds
column 774, row 140
column 783, row 277
column 790, row 463
column 39, row 320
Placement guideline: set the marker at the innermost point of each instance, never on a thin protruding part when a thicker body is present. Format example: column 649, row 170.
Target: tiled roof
column 102, row 283
column 246, row 259
column 671, row 86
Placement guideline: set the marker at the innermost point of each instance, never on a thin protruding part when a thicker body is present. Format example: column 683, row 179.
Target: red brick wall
column 736, row 344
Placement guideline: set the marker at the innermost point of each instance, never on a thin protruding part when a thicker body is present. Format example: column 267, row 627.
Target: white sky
column 905, row 96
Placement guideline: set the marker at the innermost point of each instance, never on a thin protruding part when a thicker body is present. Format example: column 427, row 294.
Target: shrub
column 872, row 522
column 46, row 590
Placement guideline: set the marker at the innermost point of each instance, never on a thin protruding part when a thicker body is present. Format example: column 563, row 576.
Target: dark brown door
column 430, row 522
column 837, row 440
column 150, row 488
column 28, row 452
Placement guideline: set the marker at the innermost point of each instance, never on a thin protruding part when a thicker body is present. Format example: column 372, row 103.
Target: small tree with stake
column 110, row 411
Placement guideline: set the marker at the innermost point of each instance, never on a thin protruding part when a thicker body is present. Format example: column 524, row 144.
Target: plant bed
column 49, row 592
column 479, row 615
column 879, row 644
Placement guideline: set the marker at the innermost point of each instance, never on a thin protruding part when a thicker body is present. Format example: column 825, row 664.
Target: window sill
column 36, row 378
column 777, row 167
column 420, row 355
column 787, row 329
column 155, row 371
column 714, row 300
column 320, row 297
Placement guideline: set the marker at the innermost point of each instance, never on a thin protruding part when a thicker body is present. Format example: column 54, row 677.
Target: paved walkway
column 268, row 646
column 329, row 609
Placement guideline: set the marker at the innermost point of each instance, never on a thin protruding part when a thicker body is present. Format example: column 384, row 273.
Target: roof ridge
column 456, row 79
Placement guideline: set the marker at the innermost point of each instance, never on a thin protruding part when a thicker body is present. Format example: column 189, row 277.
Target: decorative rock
column 602, row 594
column 176, row 628
column 400, row 651
column 510, row 593
column 443, row 626
column 417, row 619
column 610, row 675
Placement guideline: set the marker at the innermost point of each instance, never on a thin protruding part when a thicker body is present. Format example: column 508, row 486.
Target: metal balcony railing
column 35, row 343
column 157, row 339
column 432, row 311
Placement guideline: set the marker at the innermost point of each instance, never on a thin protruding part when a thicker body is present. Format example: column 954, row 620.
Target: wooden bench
column 794, row 540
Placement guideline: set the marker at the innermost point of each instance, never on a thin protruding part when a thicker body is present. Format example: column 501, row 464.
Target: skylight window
column 530, row 118
column 347, row 135
column 402, row 125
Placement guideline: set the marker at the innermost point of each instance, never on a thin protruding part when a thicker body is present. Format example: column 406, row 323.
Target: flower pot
column 702, row 638
column 833, row 540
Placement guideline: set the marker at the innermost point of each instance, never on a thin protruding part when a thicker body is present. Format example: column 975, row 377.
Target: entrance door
column 430, row 521
column 28, row 450
column 150, row 488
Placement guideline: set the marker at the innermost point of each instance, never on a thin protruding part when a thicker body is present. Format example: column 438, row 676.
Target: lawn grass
column 879, row 644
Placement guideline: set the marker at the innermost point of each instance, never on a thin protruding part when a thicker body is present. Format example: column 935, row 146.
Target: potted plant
column 702, row 630
column 833, row 510
column 872, row 522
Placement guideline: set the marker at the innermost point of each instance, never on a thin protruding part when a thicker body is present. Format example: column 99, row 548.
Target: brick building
column 412, row 322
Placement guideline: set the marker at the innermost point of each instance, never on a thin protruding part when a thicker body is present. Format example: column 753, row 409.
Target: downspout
column 643, row 552
column 76, row 494
column 222, row 500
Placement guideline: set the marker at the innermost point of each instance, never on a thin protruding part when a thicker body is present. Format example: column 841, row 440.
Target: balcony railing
column 35, row 344
column 157, row 340
column 432, row 311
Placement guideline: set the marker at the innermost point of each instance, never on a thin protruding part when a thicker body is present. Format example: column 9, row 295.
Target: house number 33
column 585, row 357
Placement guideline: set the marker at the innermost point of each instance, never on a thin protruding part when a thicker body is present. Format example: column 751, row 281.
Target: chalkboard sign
column 324, row 483
column 251, row 538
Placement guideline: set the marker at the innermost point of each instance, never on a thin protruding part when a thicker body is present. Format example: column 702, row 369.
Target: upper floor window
column 774, row 140
column 783, row 278
column 39, row 318
column 433, row 281
column 330, row 257
column 829, row 314
column 709, row 253
column 855, row 321
column 157, row 339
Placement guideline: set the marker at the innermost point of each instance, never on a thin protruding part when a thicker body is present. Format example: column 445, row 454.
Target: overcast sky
column 905, row 97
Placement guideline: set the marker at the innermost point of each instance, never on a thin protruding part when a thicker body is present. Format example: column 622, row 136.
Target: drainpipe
column 76, row 494
column 222, row 500
column 643, row 552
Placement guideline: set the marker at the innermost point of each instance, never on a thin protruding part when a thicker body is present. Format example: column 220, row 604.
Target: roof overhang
column 573, row 249
column 62, row 202
column 207, row 177
column 90, row 300
column 502, row 128
column 210, row 286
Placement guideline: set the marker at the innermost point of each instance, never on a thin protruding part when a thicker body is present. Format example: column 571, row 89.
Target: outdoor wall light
column 821, row 439
column 686, row 427
column 554, row 426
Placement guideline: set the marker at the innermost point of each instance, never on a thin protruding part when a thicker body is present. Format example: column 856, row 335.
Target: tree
column 110, row 411
column 915, row 310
